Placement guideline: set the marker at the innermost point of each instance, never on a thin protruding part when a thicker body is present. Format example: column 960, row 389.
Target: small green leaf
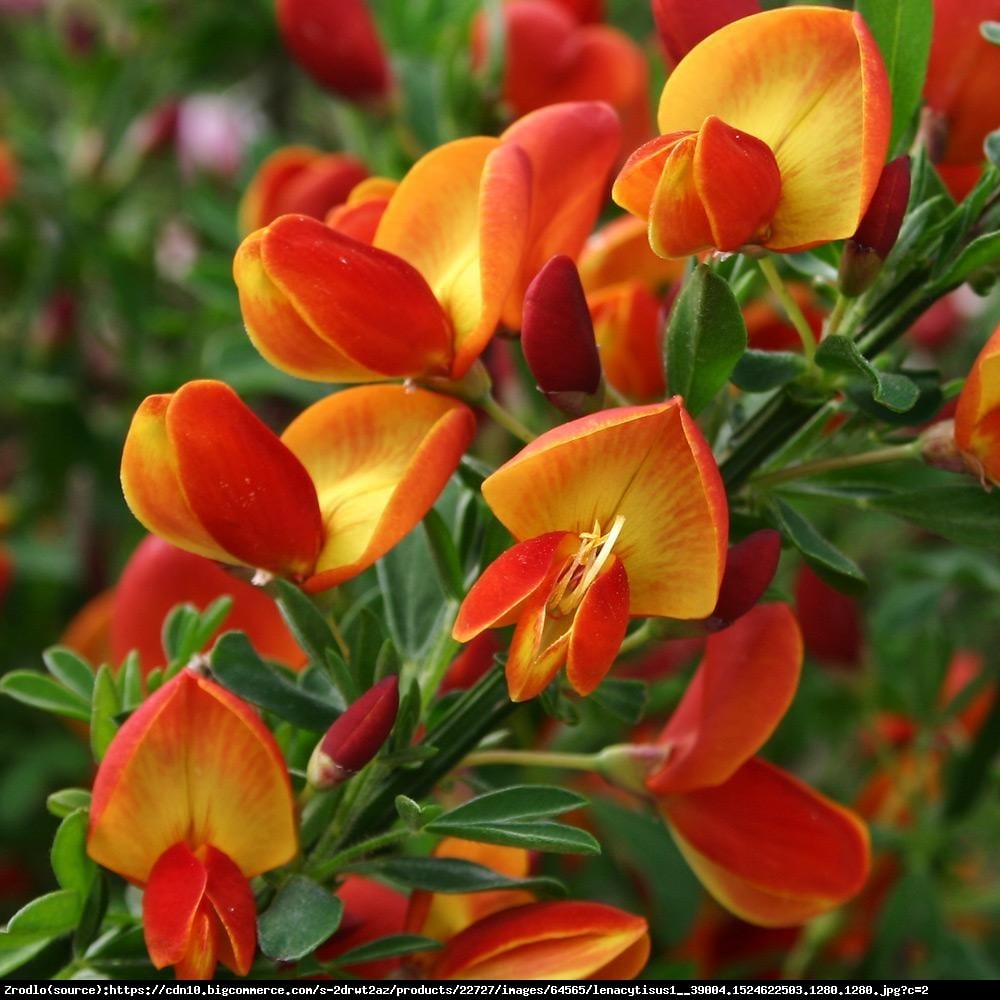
column 237, row 666
column 965, row 514
column 840, row 355
column 990, row 30
column 828, row 561
column 409, row 812
column 300, row 918
column 453, row 875
column 623, row 699
column 705, row 339
column 982, row 254
column 14, row 952
column 67, row 801
column 130, row 682
column 928, row 402
column 552, row 838
column 311, row 630
column 991, row 146
column 902, row 29
column 105, row 706
column 94, row 908
column 445, row 554
column 47, row 917
column 388, row 947
column 178, row 628
column 69, row 668
column 210, row 621
column 33, row 688
column 514, row 804
column 73, row 869
column 762, row 371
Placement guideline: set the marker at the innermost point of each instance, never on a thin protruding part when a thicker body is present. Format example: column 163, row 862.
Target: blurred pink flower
column 213, row 133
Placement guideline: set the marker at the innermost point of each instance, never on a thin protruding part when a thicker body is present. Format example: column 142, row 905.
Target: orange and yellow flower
column 454, row 250
column 768, row 847
column 190, row 802
column 618, row 514
column 775, row 130
column 977, row 419
column 345, row 482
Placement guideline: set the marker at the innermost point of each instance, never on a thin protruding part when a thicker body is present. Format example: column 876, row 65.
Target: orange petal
column 203, row 947
column 628, row 326
column 170, row 903
column 810, row 83
column 368, row 305
column 649, row 464
column 159, row 576
column 598, row 628
column 678, row 222
column 232, row 899
column 379, row 457
column 768, row 847
column 258, row 205
column 495, row 599
column 619, row 252
column 443, row 915
column 193, row 765
column 538, row 648
column 562, row 940
column 636, row 183
column 359, row 221
column 459, row 218
column 740, row 693
column 977, row 423
column 251, row 494
column 572, row 148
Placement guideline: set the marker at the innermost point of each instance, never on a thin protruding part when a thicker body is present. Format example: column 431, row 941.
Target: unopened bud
column 939, row 449
column 557, row 336
column 629, row 765
column 354, row 739
column 750, row 568
column 867, row 249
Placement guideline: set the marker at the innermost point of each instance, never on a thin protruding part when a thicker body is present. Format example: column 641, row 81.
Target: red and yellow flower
column 619, row 514
column 345, row 482
column 454, row 250
column 977, row 419
column 775, row 130
column 768, row 847
column 190, row 802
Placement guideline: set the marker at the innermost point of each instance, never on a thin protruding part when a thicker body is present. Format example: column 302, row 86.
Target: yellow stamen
column 585, row 567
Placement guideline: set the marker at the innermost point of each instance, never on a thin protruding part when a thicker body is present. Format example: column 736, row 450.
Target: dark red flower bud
column 557, row 335
column 336, row 43
column 830, row 621
column 865, row 251
column 682, row 24
column 356, row 736
column 476, row 658
column 750, row 568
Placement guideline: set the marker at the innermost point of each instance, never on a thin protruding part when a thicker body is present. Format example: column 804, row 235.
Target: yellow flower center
column 583, row 569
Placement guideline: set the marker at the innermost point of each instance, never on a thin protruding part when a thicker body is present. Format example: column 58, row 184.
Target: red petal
column 682, row 24
column 230, row 895
column 173, row 894
column 750, row 568
column 598, row 628
column 738, row 696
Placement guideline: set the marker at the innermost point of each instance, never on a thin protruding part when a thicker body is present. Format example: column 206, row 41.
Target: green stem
column 837, row 315
column 790, row 306
column 894, row 453
column 638, row 638
column 533, row 758
column 332, row 865
column 506, row 420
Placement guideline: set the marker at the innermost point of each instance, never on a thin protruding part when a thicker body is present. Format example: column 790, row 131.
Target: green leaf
column 73, row 869
column 445, row 554
column 130, row 682
column 33, row 688
column 514, row 804
column 705, row 339
column 178, row 628
column 409, row 812
column 991, row 146
column 928, row 402
column 840, row 355
column 990, row 30
column 47, row 917
column 453, row 875
column 761, row 371
column 552, row 838
column 623, row 699
column 981, row 255
column 105, row 706
column 70, row 669
column 388, row 947
column 310, row 629
column 966, row 514
column 237, row 666
column 828, row 561
column 902, row 29
column 94, row 908
column 300, row 918
column 67, row 801
column 414, row 599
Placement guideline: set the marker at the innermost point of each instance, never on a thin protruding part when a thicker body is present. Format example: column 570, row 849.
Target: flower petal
column 369, row 305
column 598, row 629
column 196, row 765
column 379, row 457
column 619, row 252
column 647, row 463
column 252, row 495
column 977, row 426
column 538, row 648
column 203, row 947
column 232, row 899
column 561, row 940
column 495, row 599
column 812, row 86
column 170, row 903
column 768, row 847
column 738, row 695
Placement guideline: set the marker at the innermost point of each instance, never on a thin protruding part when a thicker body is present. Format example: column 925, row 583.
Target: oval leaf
column 515, row 804
column 32, row 688
column 453, row 875
column 300, row 918
column 552, row 838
